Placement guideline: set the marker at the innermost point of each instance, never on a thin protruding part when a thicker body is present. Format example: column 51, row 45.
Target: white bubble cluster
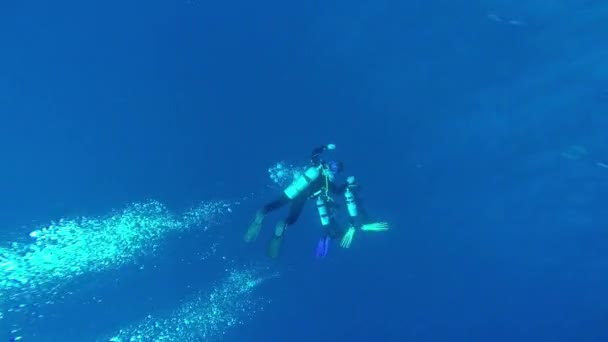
column 206, row 316
column 283, row 173
column 33, row 270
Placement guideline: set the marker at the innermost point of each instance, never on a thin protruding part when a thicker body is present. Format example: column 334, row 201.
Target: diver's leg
column 256, row 225
column 274, row 205
column 294, row 212
column 334, row 230
column 329, row 232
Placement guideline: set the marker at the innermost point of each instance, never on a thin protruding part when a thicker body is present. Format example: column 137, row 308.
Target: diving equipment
column 347, row 239
column 277, row 239
column 322, row 247
column 328, row 174
column 351, row 205
column 302, row 182
column 254, row 228
column 375, row 227
column 323, row 211
column 275, row 246
column 280, row 228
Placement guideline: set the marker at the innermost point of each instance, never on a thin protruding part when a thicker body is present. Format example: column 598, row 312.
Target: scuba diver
column 317, row 179
column 326, row 208
column 357, row 215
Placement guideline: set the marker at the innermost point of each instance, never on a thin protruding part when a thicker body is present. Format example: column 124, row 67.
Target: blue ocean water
column 475, row 128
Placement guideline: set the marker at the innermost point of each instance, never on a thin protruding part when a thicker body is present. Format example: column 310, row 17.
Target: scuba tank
column 351, row 205
column 323, row 211
column 302, row 182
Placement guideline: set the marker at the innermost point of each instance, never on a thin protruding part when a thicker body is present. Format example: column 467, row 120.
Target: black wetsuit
column 297, row 203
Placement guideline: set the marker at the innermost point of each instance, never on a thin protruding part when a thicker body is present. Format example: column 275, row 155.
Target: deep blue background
column 453, row 122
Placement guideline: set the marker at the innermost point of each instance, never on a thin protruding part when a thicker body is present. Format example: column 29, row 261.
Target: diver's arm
column 316, row 153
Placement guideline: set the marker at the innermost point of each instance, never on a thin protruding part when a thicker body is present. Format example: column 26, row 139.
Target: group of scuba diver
column 317, row 183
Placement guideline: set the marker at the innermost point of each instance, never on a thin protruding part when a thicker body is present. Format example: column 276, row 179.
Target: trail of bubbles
column 206, row 316
column 69, row 248
column 283, row 173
